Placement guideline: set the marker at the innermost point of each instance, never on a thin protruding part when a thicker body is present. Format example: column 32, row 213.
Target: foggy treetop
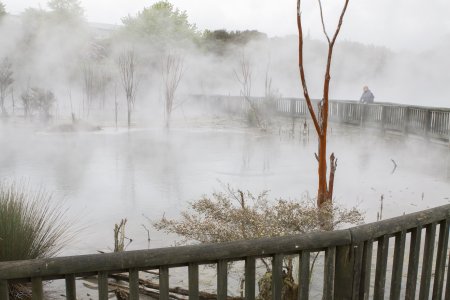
column 410, row 23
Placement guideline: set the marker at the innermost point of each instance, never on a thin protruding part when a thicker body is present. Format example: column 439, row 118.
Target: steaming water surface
column 142, row 174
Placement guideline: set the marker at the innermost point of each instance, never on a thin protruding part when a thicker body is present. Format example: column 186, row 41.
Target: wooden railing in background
column 429, row 122
column 358, row 262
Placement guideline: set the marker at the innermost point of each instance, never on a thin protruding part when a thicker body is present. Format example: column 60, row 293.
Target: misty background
column 50, row 46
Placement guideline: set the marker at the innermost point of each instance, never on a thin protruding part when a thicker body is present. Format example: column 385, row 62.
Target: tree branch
column 326, row 87
column 333, row 166
column 341, row 18
column 302, row 72
column 323, row 22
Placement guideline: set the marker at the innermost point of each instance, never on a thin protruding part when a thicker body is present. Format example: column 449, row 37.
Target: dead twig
column 395, row 166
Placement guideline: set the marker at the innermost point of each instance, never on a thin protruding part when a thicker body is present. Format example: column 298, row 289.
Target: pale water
column 143, row 174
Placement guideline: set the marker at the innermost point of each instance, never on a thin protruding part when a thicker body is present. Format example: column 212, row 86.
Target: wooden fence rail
column 358, row 262
column 429, row 122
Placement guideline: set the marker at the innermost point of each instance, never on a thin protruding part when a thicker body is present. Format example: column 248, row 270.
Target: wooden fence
column 428, row 122
column 358, row 262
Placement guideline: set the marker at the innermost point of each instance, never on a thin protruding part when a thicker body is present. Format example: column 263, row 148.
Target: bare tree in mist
column 103, row 80
column 95, row 81
column 38, row 100
column 172, row 73
column 270, row 96
column 127, row 69
column 88, row 87
column 6, row 80
column 244, row 77
column 320, row 119
column 26, row 102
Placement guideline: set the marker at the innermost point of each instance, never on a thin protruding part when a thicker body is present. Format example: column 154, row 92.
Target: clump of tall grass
column 31, row 226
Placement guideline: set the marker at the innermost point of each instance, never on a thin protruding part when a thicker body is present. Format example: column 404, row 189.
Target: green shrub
column 30, row 226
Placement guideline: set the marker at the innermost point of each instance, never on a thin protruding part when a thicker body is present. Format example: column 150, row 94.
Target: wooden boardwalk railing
column 429, row 122
column 415, row 267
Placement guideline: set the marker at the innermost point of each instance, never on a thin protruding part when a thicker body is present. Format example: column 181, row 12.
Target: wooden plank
column 344, row 271
column 413, row 263
column 164, row 283
column 71, row 290
column 428, row 123
column 171, row 256
column 440, row 260
column 373, row 231
column 328, row 276
column 147, row 259
column 380, row 272
column 36, row 289
column 303, row 275
column 250, row 281
column 406, row 118
column 102, row 285
column 358, row 252
column 134, row 284
column 383, row 118
column 193, row 282
column 277, row 276
column 397, row 268
column 366, row 265
column 222, row 280
column 427, row 261
column 4, row 293
column 447, row 288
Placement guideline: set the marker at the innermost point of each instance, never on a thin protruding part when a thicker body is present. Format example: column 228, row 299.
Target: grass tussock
column 30, row 225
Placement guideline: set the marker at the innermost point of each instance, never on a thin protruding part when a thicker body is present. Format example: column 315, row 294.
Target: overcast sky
column 398, row 24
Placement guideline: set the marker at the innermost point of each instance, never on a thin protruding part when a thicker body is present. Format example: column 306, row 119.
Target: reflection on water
column 111, row 175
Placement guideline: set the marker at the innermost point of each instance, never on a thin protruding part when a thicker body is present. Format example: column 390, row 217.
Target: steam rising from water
column 112, row 174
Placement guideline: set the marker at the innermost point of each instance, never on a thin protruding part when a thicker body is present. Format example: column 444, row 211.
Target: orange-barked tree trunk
column 320, row 119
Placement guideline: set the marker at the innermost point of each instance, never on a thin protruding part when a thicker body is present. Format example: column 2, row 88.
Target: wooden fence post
column 4, row 293
column 344, row 272
column 293, row 111
column 362, row 113
column 406, row 121
column 383, row 118
column 428, row 124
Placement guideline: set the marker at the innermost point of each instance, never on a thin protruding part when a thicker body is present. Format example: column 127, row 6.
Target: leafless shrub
column 236, row 215
column 244, row 77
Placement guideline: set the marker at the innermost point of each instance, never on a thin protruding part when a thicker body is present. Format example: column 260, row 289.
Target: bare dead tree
column 127, row 69
column 88, row 86
column 6, row 80
column 172, row 73
column 320, row 120
column 103, row 80
column 270, row 97
column 244, row 77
